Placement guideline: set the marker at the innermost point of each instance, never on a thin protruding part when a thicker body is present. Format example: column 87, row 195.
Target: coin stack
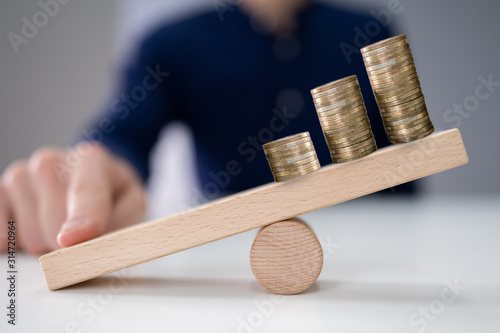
column 291, row 157
column 342, row 114
column 395, row 83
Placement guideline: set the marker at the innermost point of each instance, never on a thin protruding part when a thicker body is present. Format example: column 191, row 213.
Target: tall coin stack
column 291, row 157
column 342, row 114
column 395, row 83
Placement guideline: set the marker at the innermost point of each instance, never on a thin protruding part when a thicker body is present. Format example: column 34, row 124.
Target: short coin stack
column 395, row 83
column 291, row 157
column 342, row 114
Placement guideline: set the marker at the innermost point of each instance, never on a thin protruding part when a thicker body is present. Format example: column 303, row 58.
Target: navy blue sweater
column 237, row 88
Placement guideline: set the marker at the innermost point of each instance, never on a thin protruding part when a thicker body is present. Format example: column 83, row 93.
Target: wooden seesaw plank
column 254, row 208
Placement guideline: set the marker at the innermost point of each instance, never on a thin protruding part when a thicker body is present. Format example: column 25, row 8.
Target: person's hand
column 59, row 200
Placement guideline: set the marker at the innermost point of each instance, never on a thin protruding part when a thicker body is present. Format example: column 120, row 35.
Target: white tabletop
column 388, row 268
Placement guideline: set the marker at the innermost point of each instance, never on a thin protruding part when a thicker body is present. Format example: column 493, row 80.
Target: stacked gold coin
column 342, row 114
column 291, row 157
column 397, row 89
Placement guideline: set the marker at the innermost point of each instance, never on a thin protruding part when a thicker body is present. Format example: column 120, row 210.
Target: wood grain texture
column 286, row 257
column 254, row 208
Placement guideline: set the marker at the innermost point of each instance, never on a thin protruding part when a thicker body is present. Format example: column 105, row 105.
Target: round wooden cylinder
column 286, row 257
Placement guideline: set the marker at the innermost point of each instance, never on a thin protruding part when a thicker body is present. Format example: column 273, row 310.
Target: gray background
column 66, row 72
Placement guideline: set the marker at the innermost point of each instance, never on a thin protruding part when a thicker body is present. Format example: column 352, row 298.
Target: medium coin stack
column 342, row 114
column 395, row 83
column 291, row 157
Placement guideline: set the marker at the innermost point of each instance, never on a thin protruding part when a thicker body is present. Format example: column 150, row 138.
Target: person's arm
column 61, row 198
column 132, row 120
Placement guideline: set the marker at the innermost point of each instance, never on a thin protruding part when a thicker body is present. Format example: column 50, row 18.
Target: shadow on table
column 340, row 290
column 196, row 287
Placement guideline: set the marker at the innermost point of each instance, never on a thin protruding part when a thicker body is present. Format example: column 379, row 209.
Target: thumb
column 89, row 198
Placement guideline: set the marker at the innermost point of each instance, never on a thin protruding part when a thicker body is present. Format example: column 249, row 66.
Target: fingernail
column 74, row 225
column 68, row 235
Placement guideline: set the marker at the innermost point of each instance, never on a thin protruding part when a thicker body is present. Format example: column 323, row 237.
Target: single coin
column 385, row 79
column 341, row 130
column 290, row 160
column 356, row 152
column 409, row 127
column 338, row 90
column 390, row 83
column 347, row 132
column 406, row 118
column 337, row 102
column 298, row 169
column 296, row 145
column 292, row 166
column 380, row 59
column 346, row 87
column 394, row 48
column 353, row 147
column 409, row 81
column 289, row 140
column 348, row 141
column 383, row 43
column 403, row 114
column 415, row 114
column 378, row 78
column 343, row 108
column 347, row 144
column 354, row 101
column 392, row 114
column 389, row 67
column 399, row 94
column 334, row 84
column 410, row 124
column 353, row 158
column 284, row 148
column 415, row 128
column 352, row 134
column 403, row 108
column 352, row 137
column 397, row 49
column 409, row 132
column 341, row 112
column 345, row 114
column 394, row 84
column 414, row 138
column 399, row 100
column 297, row 175
column 386, row 49
column 335, row 98
column 340, row 141
column 387, row 64
column 343, row 119
column 404, row 90
column 304, row 143
column 390, row 97
column 289, row 153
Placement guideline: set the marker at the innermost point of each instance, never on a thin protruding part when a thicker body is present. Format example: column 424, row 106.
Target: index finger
column 89, row 198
